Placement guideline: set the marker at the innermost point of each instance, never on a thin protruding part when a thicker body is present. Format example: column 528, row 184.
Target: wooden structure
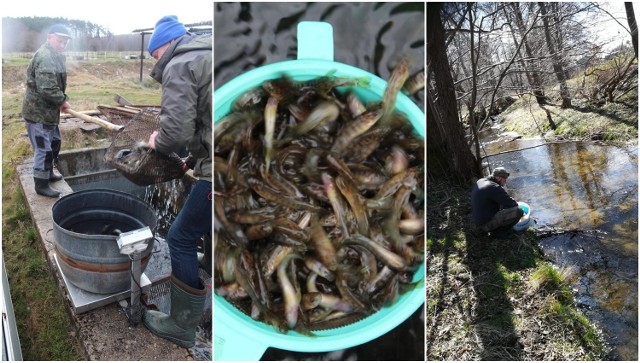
column 203, row 27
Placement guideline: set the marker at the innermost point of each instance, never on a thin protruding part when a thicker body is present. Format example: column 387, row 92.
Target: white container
column 525, row 220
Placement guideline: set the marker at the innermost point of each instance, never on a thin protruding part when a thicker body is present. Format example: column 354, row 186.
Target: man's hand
column 64, row 106
column 189, row 162
column 180, row 162
column 152, row 140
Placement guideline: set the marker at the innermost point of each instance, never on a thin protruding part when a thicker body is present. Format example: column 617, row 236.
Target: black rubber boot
column 43, row 188
column 54, row 177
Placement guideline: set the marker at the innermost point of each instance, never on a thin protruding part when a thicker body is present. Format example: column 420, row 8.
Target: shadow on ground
column 493, row 263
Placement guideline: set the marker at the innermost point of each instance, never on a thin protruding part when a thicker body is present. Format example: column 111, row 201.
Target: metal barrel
column 86, row 225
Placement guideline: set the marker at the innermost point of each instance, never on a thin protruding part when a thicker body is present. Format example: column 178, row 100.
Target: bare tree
column 533, row 76
column 633, row 26
column 448, row 153
column 557, row 60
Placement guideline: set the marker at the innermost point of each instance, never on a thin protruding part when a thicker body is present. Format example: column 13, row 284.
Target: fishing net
column 140, row 164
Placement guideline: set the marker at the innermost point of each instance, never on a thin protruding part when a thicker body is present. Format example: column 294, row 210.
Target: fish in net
column 130, row 154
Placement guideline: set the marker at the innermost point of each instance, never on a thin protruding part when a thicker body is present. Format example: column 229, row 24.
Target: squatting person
column 492, row 208
column 43, row 101
column 184, row 68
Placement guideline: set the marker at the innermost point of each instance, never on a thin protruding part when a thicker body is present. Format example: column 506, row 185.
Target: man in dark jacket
column 492, row 207
column 184, row 68
column 43, row 101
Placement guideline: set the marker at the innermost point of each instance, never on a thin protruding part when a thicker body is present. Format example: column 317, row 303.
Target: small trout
column 269, row 126
column 358, row 127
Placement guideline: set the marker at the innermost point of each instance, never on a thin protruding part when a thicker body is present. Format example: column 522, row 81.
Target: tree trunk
column 556, row 59
column 557, row 21
column 449, row 155
column 633, row 26
column 474, row 81
column 515, row 42
column 536, row 82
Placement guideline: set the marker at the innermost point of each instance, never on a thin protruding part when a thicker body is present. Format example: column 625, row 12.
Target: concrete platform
column 105, row 332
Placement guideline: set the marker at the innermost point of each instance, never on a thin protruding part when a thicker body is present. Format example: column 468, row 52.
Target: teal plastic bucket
column 525, row 220
column 236, row 335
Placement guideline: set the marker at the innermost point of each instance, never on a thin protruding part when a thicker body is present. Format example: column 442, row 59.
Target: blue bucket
column 237, row 336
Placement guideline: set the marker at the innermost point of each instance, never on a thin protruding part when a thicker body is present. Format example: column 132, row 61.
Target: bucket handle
column 232, row 345
column 315, row 41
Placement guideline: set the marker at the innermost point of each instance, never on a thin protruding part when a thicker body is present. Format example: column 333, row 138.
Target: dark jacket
column 185, row 72
column 46, row 84
column 487, row 198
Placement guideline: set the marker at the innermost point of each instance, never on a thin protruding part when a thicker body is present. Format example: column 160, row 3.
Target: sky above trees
column 119, row 16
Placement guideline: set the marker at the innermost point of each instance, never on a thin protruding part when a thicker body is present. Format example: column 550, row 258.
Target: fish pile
column 133, row 156
column 319, row 206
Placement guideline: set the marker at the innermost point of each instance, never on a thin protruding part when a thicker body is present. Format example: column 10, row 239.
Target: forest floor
column 44, row 327
column 496, row 298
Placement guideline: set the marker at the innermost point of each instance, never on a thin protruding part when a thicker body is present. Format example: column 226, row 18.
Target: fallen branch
column 525, row 148
column 559, row 231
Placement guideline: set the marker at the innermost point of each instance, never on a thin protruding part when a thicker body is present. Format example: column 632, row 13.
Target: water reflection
column 573, row 184
column 590, row 189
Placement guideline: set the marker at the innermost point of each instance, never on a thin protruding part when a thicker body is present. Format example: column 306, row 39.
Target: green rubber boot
column 179, row 327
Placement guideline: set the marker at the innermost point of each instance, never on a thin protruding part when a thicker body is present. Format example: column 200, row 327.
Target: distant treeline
column 26, row 34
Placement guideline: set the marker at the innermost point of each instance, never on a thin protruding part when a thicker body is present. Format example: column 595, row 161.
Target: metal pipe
column 141, row 55
column 136, row 273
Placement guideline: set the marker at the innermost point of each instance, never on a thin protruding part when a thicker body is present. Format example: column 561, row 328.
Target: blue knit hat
column 167, row 29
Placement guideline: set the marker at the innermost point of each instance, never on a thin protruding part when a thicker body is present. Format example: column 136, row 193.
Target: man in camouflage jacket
column 43, row 101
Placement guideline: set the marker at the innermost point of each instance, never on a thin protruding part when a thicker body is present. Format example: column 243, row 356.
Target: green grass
column 585, row 332
column 44, row 327
column 548, row 278
column 562, row 306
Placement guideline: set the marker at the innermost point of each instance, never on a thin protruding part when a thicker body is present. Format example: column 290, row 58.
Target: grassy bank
column 495, row 298
column 43, row 324
column 611, row 122
column 44, row 327
column 586, row 119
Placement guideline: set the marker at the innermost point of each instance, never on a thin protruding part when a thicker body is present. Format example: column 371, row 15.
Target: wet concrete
column 584, row 197
column 105, row 332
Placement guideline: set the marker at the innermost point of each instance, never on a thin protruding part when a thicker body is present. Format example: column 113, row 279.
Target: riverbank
column 495, row 299
column 612, row 122
column 500, row 298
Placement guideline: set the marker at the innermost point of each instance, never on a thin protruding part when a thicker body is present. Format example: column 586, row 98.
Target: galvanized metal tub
column 86, row 225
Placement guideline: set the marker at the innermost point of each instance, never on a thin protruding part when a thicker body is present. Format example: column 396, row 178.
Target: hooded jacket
column 185, row 72
column 46, row 86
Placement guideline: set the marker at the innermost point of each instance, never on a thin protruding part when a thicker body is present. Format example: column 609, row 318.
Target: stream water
column 590, row 190
column 371, row 36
